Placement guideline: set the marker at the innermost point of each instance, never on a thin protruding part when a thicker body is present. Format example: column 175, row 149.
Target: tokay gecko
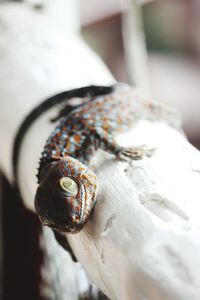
column 67, row 185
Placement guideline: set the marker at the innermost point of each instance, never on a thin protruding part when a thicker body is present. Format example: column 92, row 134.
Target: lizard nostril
column 75, row 219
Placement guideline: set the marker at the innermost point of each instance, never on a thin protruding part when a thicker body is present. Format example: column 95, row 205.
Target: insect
column 67, row 185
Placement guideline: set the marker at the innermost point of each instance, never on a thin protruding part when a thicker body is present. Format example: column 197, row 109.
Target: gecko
column 68, row 186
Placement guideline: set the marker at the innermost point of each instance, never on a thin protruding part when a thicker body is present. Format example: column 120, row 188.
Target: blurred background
column 172, row 33
column 172, row 66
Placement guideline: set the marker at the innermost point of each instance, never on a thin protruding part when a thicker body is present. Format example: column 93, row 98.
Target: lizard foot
column 135, row 153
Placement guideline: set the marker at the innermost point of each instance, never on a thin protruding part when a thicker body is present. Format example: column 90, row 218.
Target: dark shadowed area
column 22, row 257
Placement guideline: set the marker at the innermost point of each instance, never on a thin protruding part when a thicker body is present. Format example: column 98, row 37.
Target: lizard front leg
column 104, row 140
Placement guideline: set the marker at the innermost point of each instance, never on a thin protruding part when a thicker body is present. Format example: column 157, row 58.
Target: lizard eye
column 69, row 185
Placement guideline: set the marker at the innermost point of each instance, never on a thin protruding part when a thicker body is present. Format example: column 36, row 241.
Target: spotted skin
column 68, row 151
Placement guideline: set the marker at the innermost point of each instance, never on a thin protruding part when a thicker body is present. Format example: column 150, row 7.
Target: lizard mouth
column 46, row 222
column 60, row 228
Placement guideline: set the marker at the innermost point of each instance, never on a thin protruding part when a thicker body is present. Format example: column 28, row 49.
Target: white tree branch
column 142, row 241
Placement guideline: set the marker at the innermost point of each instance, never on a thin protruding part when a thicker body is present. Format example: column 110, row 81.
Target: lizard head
column 66, row 194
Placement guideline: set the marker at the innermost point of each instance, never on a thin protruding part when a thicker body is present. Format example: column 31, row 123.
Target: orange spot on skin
column 88, row 179
column 71, row 170
column 81, row 169
column 71, row 203
column 67, row 146
column 77, row 209
column 77, row 138
column 106, row 126
column 58, row 134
